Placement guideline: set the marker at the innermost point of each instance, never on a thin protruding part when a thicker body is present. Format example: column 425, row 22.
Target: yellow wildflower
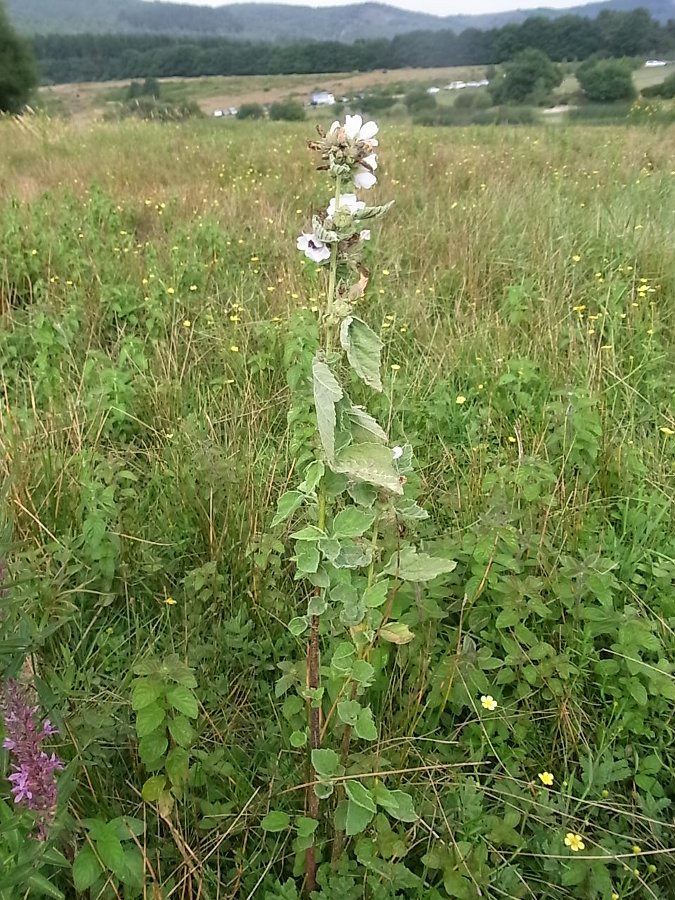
column 487, row 701
column 575, row 842
column 546, row 778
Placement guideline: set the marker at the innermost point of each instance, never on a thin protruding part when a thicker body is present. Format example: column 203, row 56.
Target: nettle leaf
column 376, row 594
column 364, row 349
column 181, row 731
column 364, row 427
column 396, row 633
column 326, row 763
column 177, row 766
column 372, row 463
column 352, row 522
column 148, row 718
column 276, row 820
column 327, row 392
column 145, row 692
column 287, row 505
column 183, row 701
column 408, row 509
column 153, row 788
column 365, row 727
column 86, row 869
column 410, row 565
column 152, row 747
column 313, row 475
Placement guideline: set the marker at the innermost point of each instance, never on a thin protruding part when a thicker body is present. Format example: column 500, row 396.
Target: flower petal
column 368, row 131
column 364, row 180
column 353, row 126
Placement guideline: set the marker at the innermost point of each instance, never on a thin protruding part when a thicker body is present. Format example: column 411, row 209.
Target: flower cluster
column 32, row 776
column 347, row 153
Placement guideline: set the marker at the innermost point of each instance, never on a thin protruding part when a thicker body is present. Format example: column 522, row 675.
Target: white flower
column 348, row 202
column 397, row 452
column 356, row 130
column 364, row 179
column 313, row 248
column 365, row 234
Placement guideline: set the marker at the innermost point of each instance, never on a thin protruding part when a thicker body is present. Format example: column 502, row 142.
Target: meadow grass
column 156, row 322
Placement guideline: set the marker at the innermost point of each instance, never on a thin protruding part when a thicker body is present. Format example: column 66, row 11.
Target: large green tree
column 18, row 72
column 528, row 78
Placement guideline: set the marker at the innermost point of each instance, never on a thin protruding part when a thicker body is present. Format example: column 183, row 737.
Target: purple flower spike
column 32, row 776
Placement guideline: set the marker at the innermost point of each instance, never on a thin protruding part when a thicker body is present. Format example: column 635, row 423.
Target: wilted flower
column 32, row 776
column 355, row 129
column 313, row 248
column 365, row 234
column 348, row 150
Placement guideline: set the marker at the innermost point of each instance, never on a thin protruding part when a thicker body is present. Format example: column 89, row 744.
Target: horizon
column 440, row 8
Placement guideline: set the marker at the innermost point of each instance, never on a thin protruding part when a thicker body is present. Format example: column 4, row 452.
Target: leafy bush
column 666, row 89
column 606, row 80
column 496, row 115
column 148, row 88
column 418, row 101
column 375, row 103
column 251, row 111
column 472, row 99
column 18, row 73
column 286, row 111
column 529, row 77
column 150, row 109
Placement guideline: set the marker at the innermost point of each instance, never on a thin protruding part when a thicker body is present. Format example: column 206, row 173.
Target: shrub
column 497, row 115
column 418, row 101
column 374, row 103
column 18, row 73
column 287, row 111
column 666, row 89
column 529, row 77
column 148, row 88
column 150, row 109
column 606, row 81
column 251, row 111
column 472, row 99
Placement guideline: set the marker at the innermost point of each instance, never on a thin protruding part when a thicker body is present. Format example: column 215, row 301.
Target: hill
column 269, row 21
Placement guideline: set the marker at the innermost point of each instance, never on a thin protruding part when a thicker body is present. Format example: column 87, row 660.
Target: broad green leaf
column 396, row 633
column 153, row 788
column 363, row 672
column 307, row 557
column 40, row 885
column 165, row 803
column 153, row 746
column 376, row 594
column 398, row 804
column 317, row 606
column 353, row 613
column 308, row 533
column 111, row 852
column 306, row 826
column 353, row 556
column 364, row 427
column 126, row 826
column 364, row 349
column 348, row 711
column 343, row 657
column 357, row 818
column 352, row 522
column 324, row 789
column 457, row 886
column 360, row 795
column 410, row 565
column 298, row 625
column 362, row 493
column 183, row 701
column 287, row 505
column 144, row 692
column 276, row 820
column 181, row 731
column 148, row 718
column 86, row 869
column 408, row 509
column 298, row 739
column 133, row 868
column 326, row 763
column 177, row 766
column 372, row 463
column 365, row 725
column 327, row 392
column 313, row 475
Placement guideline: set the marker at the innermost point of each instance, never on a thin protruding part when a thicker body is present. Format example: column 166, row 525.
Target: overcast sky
column 437, row 7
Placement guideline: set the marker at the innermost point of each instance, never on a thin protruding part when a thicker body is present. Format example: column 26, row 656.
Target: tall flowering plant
column 348, row 510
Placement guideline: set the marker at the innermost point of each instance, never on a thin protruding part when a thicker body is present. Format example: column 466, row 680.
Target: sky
column 436, row 7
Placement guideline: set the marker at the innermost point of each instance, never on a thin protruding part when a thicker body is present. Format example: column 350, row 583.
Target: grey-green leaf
column 372, row 463
column 352, row 522
column 364, row 349
column 287, row 505
column 365, row 427
column 327, row 392
column 410, row 565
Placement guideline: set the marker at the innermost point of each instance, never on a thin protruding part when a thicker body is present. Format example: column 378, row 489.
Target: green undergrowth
column 156, row 320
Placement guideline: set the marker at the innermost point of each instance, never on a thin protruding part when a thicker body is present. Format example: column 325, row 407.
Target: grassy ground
column 154, row 316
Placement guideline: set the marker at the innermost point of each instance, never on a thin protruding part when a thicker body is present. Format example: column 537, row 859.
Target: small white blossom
column 313, row 248
column 365, row 234
column 397, row 452
column 364, row 179
column 356, row 130
column 348, row 202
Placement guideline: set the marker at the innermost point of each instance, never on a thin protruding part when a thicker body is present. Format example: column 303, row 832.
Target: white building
column 322, row 98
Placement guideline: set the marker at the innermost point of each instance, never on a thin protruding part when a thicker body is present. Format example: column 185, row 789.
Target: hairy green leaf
column 372, row 463
column 327, row 392
column 363, row 348
column 287, row 505
column 410, row 565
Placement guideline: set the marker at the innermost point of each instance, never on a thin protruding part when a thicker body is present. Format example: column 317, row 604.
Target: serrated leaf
column 144, row 692
column 360, row 795
column 326, row 763
column 363, row 348
column 352, row 522
column 183, row 701
column 275, row 821
column 153, row 787
column 372, row 463
column 313, row 475
column 408, row 509
column 327, row 392
column 410, row 565
column 365, row 727
column 298, row 625
column 153, row 746
column 181, row 731
column 376, row 594
column 287, row 505
column 133, row 868
column 398, row 804
column 308, row 533
column 177, row 766
column 86, row 869
column 148, row 718
column 374, row 212
column 348, row 711
column 357, row 818
column 396, row 633
column 111, row 852
column 39, row 884
column 307, row 557
column 364, row 427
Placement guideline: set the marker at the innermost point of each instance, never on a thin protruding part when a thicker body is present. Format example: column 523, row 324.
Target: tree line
column 103, row 57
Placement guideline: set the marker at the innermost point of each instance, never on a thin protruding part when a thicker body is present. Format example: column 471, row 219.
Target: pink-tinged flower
column 348, row 202
column 365, row 234
column 358, row 131
column 364, row 177
column 313, row 248
column 32, row 776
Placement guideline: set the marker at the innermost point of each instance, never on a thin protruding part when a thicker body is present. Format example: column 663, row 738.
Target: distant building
column 433, row 90
column 322, row 98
